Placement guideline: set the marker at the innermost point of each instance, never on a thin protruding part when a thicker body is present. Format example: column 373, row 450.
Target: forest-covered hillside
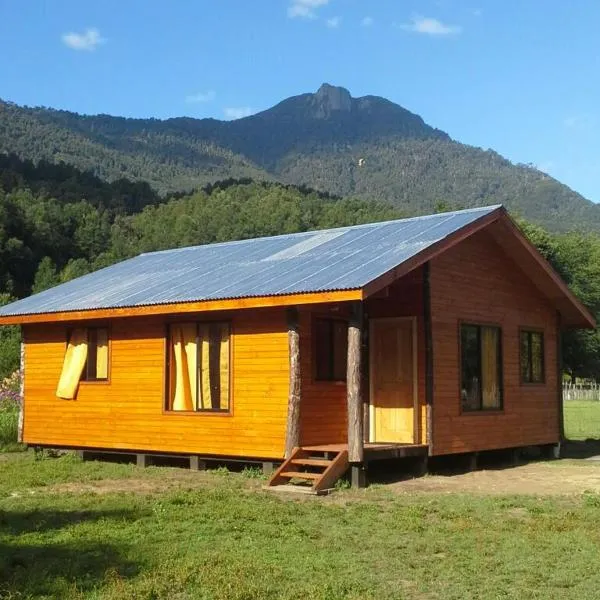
column 57, row 223
column 367, row 147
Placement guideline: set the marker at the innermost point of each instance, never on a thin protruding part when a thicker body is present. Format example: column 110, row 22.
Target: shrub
column 10, row 405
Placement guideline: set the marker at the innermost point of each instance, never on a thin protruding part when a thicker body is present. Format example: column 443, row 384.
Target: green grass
column 582, row 419
column 226, row 539
column 9, row 423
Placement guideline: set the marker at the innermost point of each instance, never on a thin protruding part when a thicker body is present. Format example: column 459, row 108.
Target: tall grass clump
column 10, row 403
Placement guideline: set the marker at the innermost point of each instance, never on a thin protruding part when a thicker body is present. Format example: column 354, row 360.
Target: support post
column 354, row 384
column 358, row 476
column 292, row 436
column 268, row 467
column 22, row 392
column 142, row 460
column 428, row 355
column 196, row 464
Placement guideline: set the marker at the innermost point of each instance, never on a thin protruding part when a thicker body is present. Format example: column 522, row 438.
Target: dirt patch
column 174, row 480
column 554, row 478
column 539, row 479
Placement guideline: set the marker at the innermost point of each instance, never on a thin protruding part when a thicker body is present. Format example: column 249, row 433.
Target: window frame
column 315, row 369
column 529, row 331
column 221, row 412
column 84, row 375
column 481, row 410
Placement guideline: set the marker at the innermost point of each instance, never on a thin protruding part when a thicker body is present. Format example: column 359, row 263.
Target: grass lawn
column 582, row 419
column 72, row 529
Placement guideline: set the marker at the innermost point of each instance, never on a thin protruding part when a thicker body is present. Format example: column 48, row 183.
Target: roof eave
column 186, row 307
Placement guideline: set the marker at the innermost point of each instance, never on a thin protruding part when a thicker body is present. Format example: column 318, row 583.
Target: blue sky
column 519, row 76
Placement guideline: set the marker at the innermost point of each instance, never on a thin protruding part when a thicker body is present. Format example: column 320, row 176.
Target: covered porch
column 380, row 409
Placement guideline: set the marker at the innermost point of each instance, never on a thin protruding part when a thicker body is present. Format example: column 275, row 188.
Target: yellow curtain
column 489, row 367
column 73, row 364
column 184, row 357
column 224, row 367
column 205, row 367
column 101, row 353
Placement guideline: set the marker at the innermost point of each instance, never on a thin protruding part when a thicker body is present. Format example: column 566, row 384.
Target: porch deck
column 376, row 451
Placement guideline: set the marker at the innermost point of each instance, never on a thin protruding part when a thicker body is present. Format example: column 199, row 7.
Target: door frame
column 416, row 412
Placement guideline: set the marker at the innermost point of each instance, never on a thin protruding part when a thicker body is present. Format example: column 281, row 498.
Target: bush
column 10, row 405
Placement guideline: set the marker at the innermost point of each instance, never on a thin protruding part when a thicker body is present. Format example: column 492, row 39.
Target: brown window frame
column 330, row 376
column 530, row 331
column 500, row 366
column 167, row 379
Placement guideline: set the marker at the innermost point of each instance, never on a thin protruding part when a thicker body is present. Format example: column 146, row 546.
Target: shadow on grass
column 397, row 470
column 580, row 448
column 31, row 566
column 42, row 521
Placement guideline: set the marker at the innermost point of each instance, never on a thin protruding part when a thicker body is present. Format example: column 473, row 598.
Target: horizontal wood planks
column 323, row 409
column 127, row 412
column 477, row 282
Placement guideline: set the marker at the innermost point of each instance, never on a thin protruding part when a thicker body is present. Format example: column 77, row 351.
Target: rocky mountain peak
column 330, row 98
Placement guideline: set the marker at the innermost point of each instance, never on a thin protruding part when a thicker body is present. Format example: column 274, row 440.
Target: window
column 331, row 349
column 96, row 364
column 198, row 367
column 86, row 359
column 532, row 357
column 481, row 367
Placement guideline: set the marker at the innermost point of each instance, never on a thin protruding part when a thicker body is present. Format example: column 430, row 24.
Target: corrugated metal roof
column 316, row 261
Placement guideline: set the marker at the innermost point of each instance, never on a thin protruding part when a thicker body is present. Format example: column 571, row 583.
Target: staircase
column 310, row 469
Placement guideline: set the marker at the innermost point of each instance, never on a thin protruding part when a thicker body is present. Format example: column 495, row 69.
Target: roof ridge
column 485, row 209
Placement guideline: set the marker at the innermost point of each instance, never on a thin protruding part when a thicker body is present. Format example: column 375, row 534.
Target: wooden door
column 393, row 374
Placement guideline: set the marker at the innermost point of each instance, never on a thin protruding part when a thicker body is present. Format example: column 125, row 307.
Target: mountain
column 364, row 147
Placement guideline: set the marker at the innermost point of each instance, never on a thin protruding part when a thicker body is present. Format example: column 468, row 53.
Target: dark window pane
column 470, row 367
column 90, row 368
column 215, row 365
column 323, row 349
column 340, row 350
column 525, row 357
column 331, row 349
column 537, row 357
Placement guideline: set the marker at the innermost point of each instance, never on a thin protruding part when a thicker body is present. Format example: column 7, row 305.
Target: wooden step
column 331, row 468
column 301, row 475
column 311, row 462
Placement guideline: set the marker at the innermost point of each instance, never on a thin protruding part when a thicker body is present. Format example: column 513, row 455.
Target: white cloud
column 429, row 26
column 237, row 112
column 305, row 9
column 334, row 22
column 89, row 40
column 367, row 22
column 201, row 97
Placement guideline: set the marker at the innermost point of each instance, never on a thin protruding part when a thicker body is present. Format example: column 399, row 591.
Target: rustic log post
column 353, row 384
column 292, row 436
column 22, row 392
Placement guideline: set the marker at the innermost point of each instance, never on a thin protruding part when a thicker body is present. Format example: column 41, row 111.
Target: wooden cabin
column 427, row 336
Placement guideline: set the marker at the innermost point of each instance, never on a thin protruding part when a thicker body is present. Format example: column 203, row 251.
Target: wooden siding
column 127, row 412
column 476, row 282
column 323, row 408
